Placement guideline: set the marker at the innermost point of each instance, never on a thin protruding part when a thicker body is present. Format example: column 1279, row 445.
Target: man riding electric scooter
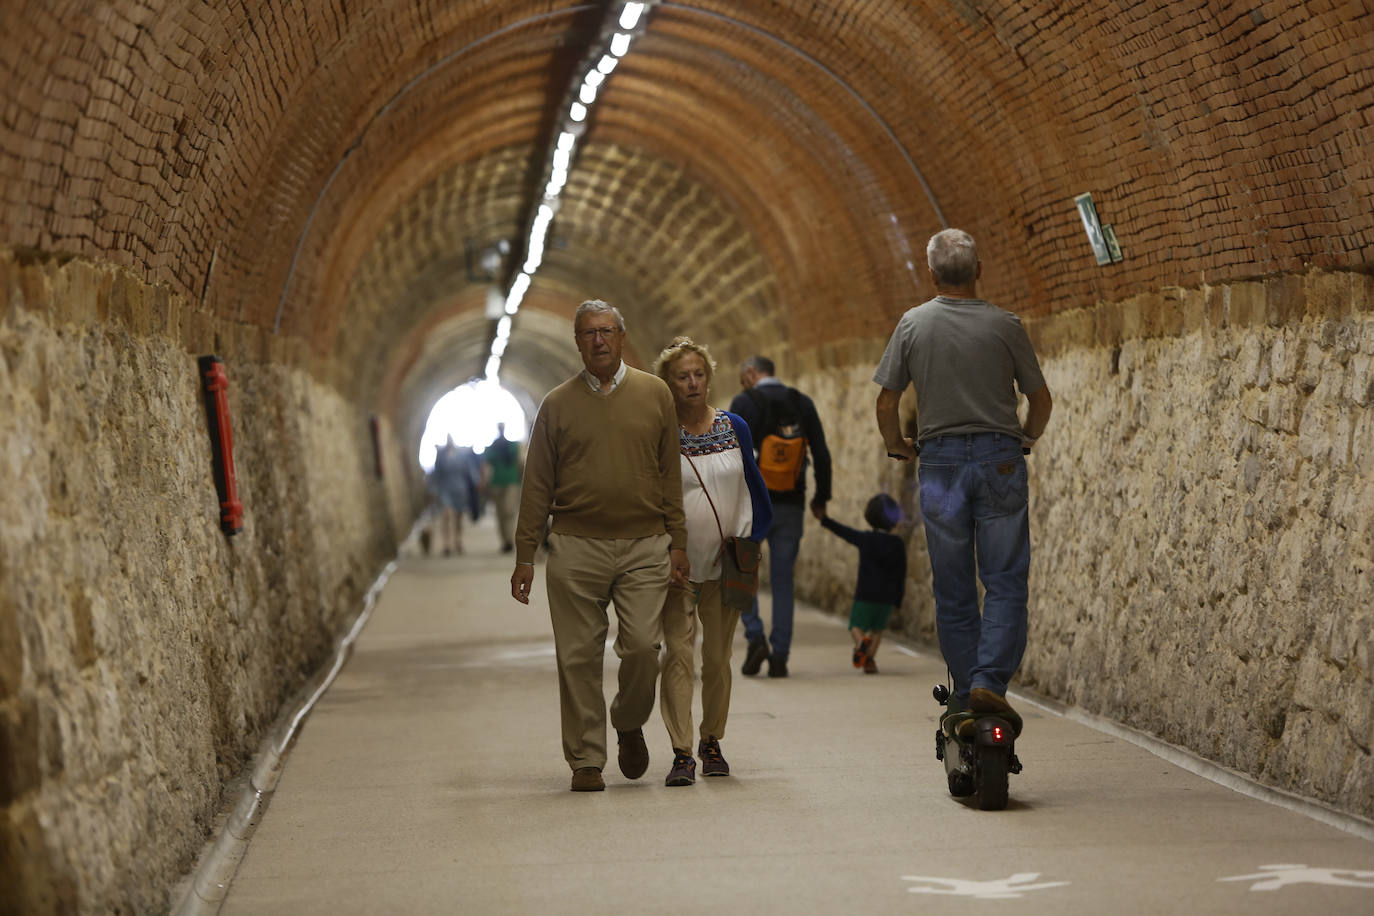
column 967, row 359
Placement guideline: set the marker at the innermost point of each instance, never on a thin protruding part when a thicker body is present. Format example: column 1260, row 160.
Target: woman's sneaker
column 870, row 666
column 684, row 771
column 712, row 763
column 861, row 652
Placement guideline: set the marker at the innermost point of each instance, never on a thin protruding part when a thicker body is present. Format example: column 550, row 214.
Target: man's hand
column 818, row 510
column 520, row 582
column 903, row 449
column 682, row 567
column 890, row 428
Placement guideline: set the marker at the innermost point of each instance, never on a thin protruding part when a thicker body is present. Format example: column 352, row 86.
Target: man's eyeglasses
column 593, row 333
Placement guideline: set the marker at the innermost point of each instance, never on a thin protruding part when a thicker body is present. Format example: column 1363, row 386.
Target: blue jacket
column 758, row 493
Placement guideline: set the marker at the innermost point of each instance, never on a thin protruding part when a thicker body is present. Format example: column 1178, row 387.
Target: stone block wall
column 142, row 652
column 1202, row 522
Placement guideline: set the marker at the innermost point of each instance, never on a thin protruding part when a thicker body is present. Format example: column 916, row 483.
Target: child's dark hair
column 883, row 512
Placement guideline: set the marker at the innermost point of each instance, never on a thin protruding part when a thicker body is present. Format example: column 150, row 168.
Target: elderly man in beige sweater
column 603, row 461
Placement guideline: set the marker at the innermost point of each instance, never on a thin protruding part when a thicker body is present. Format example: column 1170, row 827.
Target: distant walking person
column 501, row 464
column 454, row 482
column 603, row 461
column 785, row 427
column 967, row 358
column 723, row 496
column 882, row 576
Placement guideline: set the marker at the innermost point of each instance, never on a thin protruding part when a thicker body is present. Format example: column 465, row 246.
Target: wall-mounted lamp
column 1103, row 240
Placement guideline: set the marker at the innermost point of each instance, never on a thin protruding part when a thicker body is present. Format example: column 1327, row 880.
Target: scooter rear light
column 997, row 734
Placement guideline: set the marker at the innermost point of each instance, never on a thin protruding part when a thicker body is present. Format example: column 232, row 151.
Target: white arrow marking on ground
column 1001, row 889
column 1273, row 877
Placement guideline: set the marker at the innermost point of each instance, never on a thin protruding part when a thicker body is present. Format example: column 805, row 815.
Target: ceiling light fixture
column 607, row 56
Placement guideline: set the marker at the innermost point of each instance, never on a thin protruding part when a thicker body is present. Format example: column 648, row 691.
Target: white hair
column 953, row 257
column 596, row 305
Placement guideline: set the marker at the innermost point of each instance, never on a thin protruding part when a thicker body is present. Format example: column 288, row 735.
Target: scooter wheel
column 992, row 777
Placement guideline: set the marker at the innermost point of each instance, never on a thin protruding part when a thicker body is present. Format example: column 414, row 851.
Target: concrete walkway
column 430, row 779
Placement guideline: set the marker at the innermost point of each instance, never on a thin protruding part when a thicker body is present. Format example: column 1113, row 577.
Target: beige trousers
column 683, row 611
column 585, row 575
column 506, row 499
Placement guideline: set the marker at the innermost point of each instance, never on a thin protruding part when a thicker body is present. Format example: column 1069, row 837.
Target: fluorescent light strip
column 558, row 177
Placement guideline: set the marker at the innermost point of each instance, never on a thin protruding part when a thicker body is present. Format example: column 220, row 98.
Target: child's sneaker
column 861, row 652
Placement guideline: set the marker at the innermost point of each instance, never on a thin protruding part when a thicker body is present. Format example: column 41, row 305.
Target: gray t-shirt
column 962, row 355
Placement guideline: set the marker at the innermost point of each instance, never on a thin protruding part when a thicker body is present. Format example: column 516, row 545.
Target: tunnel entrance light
column 469, row 413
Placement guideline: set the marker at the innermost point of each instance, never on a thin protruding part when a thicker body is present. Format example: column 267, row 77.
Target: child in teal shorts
column 882, row 576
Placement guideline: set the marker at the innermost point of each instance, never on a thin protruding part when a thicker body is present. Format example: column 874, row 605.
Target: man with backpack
column 785, row 427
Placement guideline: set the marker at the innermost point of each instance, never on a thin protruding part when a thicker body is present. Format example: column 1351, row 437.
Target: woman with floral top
column 723, row 495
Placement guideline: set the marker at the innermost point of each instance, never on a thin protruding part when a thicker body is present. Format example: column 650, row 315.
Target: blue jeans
column 784, row 541
column 974, row 497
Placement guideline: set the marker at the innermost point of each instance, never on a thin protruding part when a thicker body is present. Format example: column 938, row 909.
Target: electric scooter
column 979, row 751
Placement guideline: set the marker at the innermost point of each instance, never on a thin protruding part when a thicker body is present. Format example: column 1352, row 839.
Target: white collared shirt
column 595, row 384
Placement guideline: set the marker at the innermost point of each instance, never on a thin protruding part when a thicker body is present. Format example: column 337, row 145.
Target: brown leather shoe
column 982, row 700
column 634, row 753
column 587, row 779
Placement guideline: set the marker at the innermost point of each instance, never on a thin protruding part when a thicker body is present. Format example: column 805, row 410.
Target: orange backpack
column 782, row 448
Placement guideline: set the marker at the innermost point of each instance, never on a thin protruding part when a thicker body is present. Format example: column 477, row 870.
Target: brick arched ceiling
column 758, row 173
